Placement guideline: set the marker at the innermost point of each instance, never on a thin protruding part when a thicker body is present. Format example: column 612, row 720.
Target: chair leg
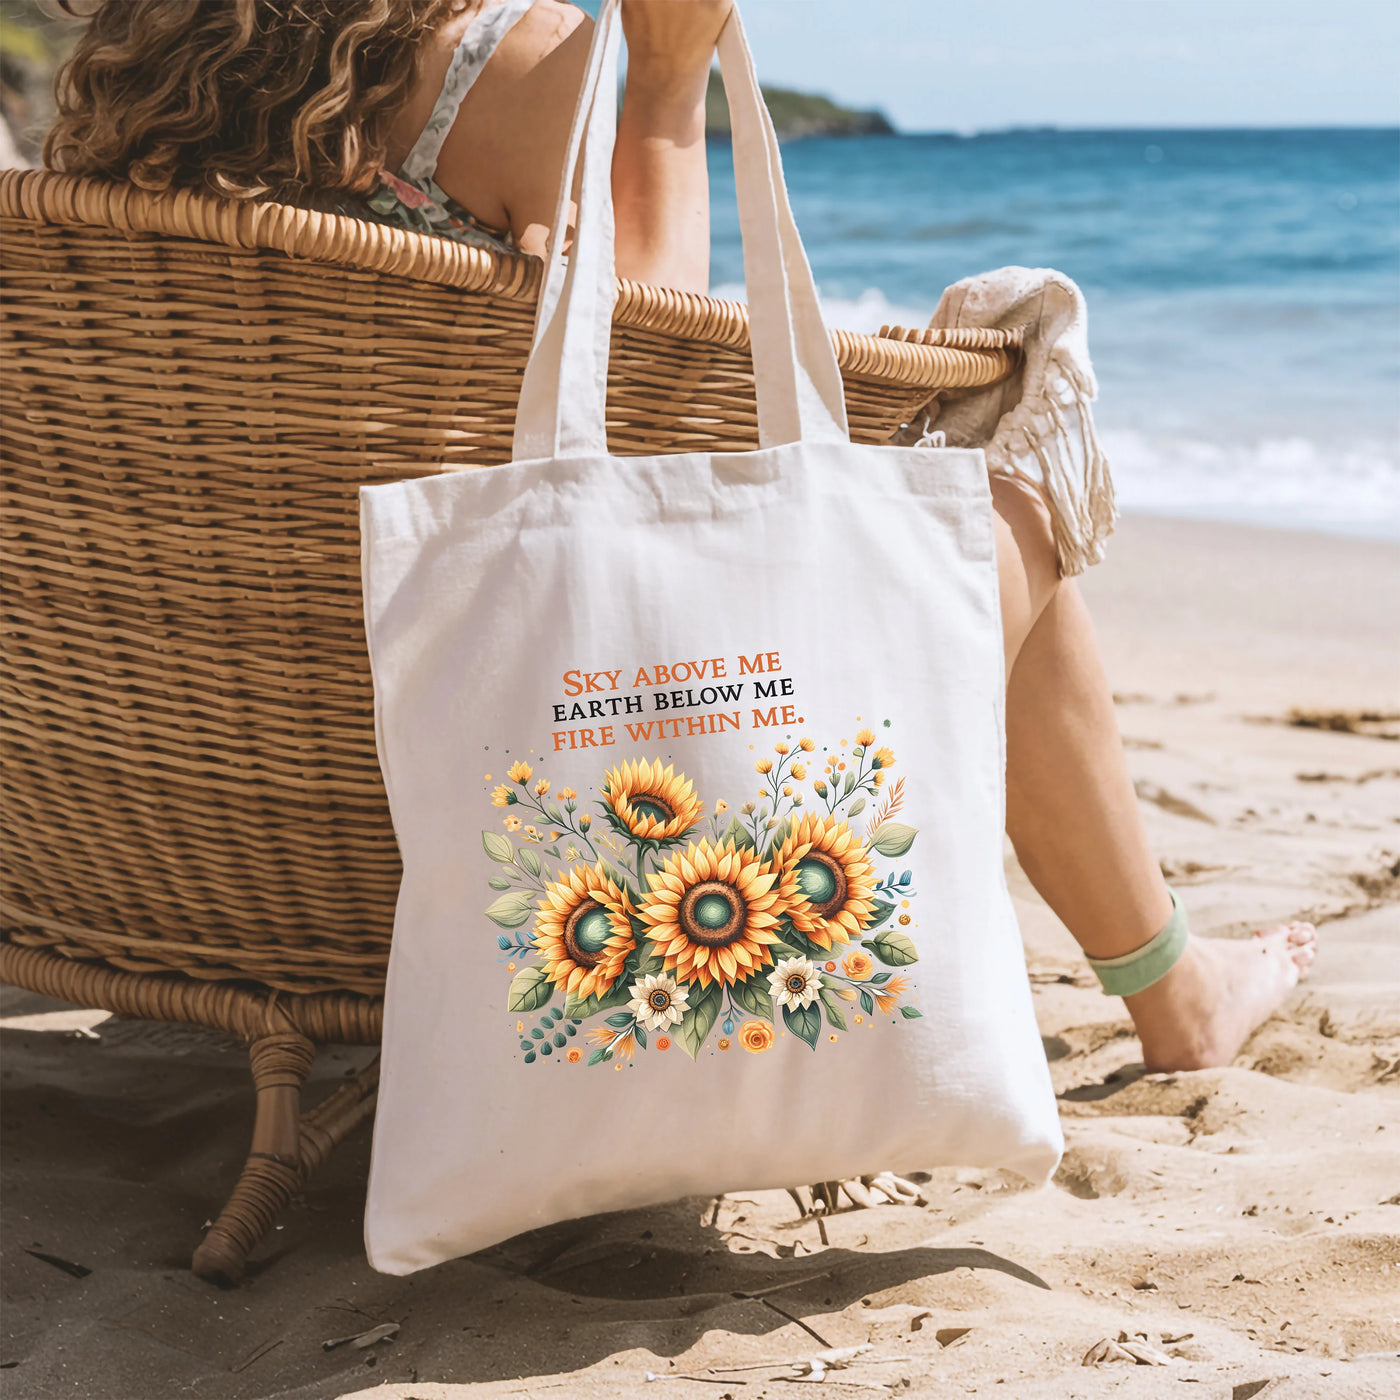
column 272, row 1174
column 286, row 1147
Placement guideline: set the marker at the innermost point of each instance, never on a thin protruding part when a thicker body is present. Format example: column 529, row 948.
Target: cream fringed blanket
column 1037, row 425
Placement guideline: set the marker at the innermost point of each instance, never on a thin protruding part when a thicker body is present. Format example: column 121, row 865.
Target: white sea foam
column 865, row 313
column 1290, row 482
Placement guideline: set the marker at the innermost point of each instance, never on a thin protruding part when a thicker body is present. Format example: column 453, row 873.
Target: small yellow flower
column 584, row 822
column 542, row 787
column 820, row 788
column 832, row 1038
column 519, row 773
column 520, row 1028
column 602, row 1035
column 799, row 771
column 764, row 765
column 566, row 794
column 848, row 993
column 879, row 778
column 860, row 1020
column 858, row 965
column 570, row 852
column 884, row 758
column 806, row 745
column 721, row 807
column 756, row 1036
column 780, row 748
column 511, row 823
column 865, row 738
column 887, row 997
column 787, row 789
column 531, row 832
column 502, row 797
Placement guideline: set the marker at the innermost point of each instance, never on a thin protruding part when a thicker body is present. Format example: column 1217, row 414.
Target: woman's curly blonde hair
column 238, row 97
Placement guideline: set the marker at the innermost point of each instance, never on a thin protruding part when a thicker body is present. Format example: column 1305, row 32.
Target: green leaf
column 805, row 1022
column 850, row 783
column 780, row 833
column 498, row 847
column 616, row 876
column 892, row 947
column 622, row 1018
column 640, row 1036
column 910, row 1013
column 497, row 882
column 879, row 912
column 893, row 838
column 701, row 1014
column 867, row 1003
column 530, row 860
column 560, row 1039
column 529, row 1057
column 645, row 960
column 530, row 989
column 738, row 834
column 856, row 807
column 581, row 1008
column 510, row 910
column 555, row 815
column 554, row 851
column 834, row 1013
column 753, row 996
column 598, row 1056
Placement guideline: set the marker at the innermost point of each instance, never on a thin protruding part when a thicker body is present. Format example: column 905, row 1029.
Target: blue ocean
column 1243, row 290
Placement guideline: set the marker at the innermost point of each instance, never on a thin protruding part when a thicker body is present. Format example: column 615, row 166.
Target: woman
column 471, row 104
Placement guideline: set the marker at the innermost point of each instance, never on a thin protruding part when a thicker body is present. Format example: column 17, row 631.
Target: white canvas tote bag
column 696, row 768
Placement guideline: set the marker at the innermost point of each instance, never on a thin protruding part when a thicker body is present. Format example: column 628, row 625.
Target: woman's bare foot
column 1220, row 991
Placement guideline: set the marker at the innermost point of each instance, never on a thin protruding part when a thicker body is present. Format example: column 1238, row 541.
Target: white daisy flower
column 657, row 1002
column 796, row 983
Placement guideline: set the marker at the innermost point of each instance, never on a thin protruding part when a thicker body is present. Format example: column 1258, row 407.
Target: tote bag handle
column 796, row 378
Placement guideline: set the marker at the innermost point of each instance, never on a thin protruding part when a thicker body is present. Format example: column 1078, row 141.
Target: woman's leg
column 1073, row 816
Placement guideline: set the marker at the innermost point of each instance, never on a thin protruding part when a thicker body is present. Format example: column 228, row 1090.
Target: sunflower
column 711, row 913
column 582, row 930
column 649, row 802
column 827, row 882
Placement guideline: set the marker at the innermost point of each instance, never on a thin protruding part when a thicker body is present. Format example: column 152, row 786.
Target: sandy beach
column 1238, row 1229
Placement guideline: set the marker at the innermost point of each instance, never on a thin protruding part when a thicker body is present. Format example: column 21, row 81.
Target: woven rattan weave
column 193, row 391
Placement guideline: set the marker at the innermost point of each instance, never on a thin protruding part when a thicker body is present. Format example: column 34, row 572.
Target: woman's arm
column 503, row 156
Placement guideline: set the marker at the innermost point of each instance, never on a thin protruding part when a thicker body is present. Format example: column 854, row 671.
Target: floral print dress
column 412, row 198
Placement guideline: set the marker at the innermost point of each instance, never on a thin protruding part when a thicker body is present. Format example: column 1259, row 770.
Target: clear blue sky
column 997, row 63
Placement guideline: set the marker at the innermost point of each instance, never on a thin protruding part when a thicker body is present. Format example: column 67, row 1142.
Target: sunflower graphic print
column 636, row 921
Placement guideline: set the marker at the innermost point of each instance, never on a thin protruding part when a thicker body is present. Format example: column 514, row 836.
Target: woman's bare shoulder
column 504, row 153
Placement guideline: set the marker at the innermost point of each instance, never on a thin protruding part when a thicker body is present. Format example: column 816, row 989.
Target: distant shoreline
column 797, row 115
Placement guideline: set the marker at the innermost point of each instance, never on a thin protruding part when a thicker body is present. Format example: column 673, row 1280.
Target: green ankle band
column 1135, row 972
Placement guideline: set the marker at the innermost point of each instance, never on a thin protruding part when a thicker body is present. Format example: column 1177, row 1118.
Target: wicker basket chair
column 193, row 819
